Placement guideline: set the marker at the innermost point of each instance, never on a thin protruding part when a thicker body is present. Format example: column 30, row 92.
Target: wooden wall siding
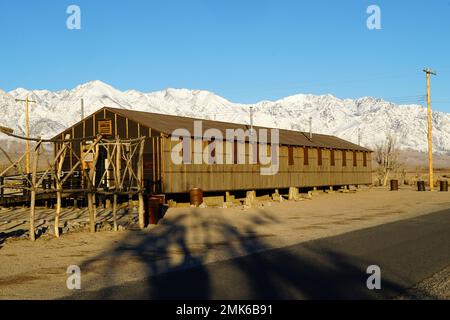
column 181, row 178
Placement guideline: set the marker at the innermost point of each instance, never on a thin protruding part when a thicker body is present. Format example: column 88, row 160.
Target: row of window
column 291, row 161
column 320, row 158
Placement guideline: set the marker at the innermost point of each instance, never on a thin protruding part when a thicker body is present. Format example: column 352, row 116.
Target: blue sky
column 245, row 51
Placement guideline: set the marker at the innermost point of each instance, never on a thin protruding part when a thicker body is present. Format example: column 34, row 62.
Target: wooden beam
column 59, row 187
column 33, row 192
column 114, row 211
column 141, row 184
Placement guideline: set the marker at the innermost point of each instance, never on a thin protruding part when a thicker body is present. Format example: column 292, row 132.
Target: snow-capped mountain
column 55, row 111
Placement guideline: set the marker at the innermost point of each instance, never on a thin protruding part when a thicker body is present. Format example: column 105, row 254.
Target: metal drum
column 153, row 207
column 196, row 196
column 394, row 185
column 420, row 185
column 444, row 185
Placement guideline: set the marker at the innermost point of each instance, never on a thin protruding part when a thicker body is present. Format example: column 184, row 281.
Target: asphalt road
column 407, row 252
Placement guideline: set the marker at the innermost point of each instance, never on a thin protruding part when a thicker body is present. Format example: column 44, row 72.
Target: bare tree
column 386, row 156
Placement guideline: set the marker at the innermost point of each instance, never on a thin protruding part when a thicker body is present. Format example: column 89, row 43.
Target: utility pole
column 27, row 131
column 430, row 137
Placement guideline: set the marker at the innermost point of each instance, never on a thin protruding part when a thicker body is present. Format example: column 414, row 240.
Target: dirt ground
column 189, row 236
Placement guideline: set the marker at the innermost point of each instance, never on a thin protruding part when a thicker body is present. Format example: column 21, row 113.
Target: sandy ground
column 189, row 236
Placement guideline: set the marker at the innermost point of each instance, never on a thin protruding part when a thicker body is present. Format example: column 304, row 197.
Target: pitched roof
column 168, row 123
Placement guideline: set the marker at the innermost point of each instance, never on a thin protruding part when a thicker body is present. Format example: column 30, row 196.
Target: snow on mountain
column 55, row 111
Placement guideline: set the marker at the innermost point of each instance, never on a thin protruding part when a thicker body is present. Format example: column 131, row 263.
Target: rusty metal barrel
column 444, row 185
column 153, row 208
column 196, row 196
column 394, row 185
column 420, row 185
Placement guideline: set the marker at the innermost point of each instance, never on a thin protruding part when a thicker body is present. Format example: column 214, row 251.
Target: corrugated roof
column 168, row 123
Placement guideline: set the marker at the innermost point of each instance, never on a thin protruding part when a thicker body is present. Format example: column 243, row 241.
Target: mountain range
column 365, row 119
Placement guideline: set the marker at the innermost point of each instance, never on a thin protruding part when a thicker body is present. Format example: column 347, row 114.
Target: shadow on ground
column 175, row 268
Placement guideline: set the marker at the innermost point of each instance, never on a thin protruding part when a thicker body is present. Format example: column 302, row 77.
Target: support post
column 141, row 184
column 91, row 194
column 33, row 192
column 91, row 210
column 58, row 188
column 114, row 211
column 58, row 212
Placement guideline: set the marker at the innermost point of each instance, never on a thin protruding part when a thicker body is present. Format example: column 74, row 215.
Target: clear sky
column 243, row 50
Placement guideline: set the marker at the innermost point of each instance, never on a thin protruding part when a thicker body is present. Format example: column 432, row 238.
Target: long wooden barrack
column 121, row 175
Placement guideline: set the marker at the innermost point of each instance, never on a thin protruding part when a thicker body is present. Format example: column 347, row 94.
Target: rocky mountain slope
column 55, row 111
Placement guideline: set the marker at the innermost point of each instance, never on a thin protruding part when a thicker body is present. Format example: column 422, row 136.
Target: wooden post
column 33, row 192
column 59, row 187
column 117, row 178
column 91, row 192
column 91, row 210
column 58, row 212
column 118, row 163
column 141, row 185
column 32, row 214
column 114, row 211
column 94, row 201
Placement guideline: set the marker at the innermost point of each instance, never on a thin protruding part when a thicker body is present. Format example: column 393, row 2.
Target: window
column 291, row 155
column 257, row 154
column 354, row 159
column 209, row 146
column 344, row 158
column 235, row 152
column 253, row 152
column 104, row 127
column 319, row 157
column 332, row 158
column 181, row 149
column 305, row 156
column 365, row 159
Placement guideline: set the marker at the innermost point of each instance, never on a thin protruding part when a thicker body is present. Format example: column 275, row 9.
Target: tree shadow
column 4, row 236
column 175, row 260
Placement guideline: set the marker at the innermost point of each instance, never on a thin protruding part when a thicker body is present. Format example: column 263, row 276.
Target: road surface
column 406, row 251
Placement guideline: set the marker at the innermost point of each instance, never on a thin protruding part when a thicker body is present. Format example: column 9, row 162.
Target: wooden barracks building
column 304, row 161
